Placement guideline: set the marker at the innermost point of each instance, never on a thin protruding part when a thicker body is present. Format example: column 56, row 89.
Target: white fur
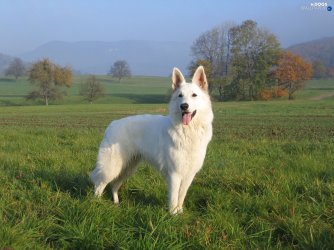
column 177, row 150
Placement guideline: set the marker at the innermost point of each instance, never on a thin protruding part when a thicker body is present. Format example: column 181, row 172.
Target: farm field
column 267, row 181
column 137, row 89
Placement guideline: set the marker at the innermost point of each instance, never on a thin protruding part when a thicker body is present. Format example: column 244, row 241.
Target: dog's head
column 190, row 101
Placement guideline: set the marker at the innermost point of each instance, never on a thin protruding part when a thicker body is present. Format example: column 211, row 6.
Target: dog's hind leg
column 128, row 170
column 108, row 167
column 99, row 189
column 99, row 181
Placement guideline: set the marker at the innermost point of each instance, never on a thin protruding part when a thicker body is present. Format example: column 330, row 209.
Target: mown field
column 267, row 182
column 128, row 90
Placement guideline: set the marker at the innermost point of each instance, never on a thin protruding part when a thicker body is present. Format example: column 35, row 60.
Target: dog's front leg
column 185, row 184
column 174, row 182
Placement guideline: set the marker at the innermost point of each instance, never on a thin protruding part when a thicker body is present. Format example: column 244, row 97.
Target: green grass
column 316, row 88
column 134, row 90
column 267, row 181
column 138, row 89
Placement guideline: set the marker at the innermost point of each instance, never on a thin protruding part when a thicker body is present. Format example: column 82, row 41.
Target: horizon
column 171, row 41
column 73, row 21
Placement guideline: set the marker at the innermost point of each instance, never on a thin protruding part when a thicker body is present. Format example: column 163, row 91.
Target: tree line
column 49, row 79
column 246, row 62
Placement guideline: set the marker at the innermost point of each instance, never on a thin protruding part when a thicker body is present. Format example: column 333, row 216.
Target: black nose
column 184, row 106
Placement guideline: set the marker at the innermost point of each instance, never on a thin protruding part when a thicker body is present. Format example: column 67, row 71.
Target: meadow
column 139, row 89
column 267, row 181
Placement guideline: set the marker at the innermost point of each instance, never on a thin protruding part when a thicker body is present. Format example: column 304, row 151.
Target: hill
column 321, row 49
column 96, row 57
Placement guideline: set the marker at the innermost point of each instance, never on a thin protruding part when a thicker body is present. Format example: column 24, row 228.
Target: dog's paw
column 176, row 211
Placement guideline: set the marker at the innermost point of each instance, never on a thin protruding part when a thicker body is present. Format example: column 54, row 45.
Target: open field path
column 323, row 96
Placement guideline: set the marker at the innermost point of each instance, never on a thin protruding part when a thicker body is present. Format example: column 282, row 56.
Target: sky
column 27, row 24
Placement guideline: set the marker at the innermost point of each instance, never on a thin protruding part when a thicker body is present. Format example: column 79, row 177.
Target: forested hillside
column 318, row 50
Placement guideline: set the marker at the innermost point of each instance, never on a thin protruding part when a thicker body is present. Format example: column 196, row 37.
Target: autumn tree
column 92, row 89
column 48, row 79
column 291, row 72
column 120, row 69
column 16, row 68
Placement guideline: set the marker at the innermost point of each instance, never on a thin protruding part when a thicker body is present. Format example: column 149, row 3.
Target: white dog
column 175, row 144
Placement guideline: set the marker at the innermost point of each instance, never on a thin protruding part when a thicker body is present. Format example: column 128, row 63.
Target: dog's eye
column 180, row 95
column 194, row 95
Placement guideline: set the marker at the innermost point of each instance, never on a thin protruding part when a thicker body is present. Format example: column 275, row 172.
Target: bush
column 266, row 94
column 274, row 92
column 279, row 92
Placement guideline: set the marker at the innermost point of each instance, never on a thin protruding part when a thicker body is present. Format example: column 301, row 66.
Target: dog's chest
column 188, row 147
column 190, row 137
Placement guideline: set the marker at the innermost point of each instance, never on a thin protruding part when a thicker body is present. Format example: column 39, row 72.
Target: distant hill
column 144, row 57
column 321, row 49
column 4, row 62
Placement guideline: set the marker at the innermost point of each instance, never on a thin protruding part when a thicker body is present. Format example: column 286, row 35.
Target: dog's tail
column 108, row 166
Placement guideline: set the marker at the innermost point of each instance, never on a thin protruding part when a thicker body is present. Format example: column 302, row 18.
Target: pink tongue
column 186, row 118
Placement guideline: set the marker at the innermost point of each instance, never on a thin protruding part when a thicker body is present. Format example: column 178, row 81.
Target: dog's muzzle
column 186, row 115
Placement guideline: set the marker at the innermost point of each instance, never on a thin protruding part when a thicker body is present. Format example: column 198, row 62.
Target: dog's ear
column 177, row 78
column 200, row 78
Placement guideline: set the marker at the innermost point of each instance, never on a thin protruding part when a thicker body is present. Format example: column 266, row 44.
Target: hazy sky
column 27, row 24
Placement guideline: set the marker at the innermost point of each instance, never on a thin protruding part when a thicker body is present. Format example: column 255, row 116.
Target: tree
column 291, row 72
column 208, row 70
column 214, row 46
column 120, row 69
column 92, row 89
column 213, row 50
column 205, row 63
column 49, row 78
column 319, row 69
column 241, row 57
column 254, row 52
column 16, row 68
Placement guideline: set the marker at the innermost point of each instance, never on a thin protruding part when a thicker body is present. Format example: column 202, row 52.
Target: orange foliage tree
column 291, row 72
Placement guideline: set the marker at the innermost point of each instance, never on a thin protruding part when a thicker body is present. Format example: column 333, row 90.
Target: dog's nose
column 184, row 106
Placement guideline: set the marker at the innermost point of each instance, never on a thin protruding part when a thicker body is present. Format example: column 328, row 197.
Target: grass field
column 129, row 90
column 267, row 182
